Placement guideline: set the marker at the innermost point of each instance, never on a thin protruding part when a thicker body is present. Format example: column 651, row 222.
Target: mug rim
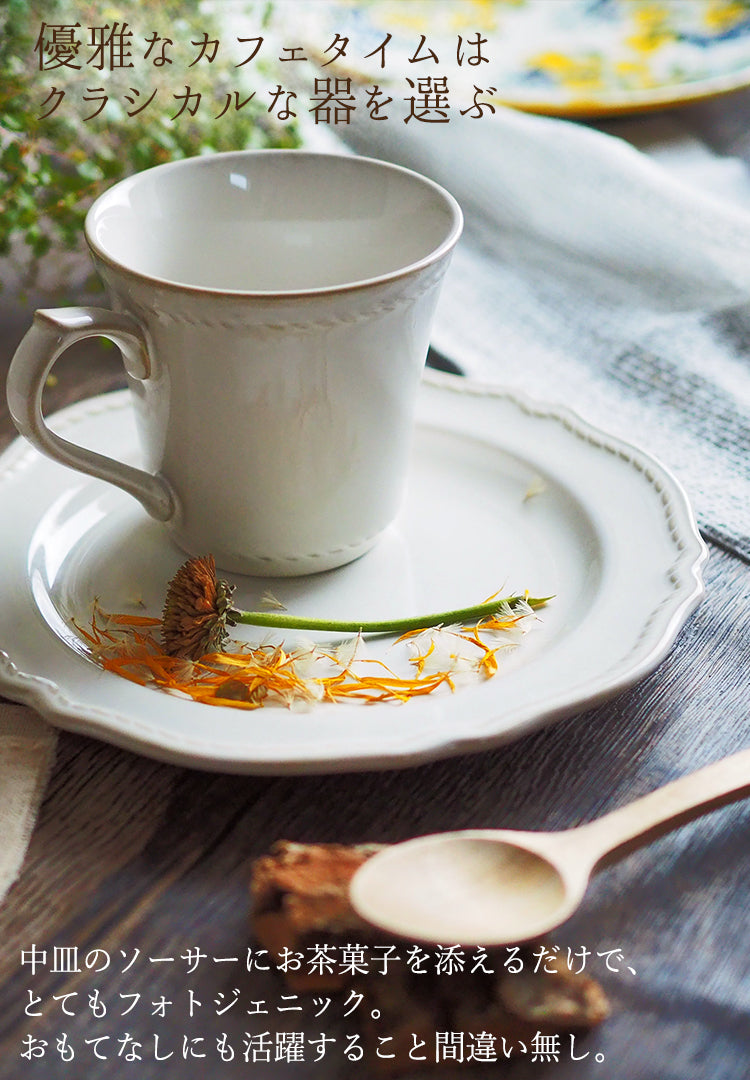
column 154, row 280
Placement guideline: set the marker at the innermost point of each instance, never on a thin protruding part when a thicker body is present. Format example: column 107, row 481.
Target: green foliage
column 52, row 169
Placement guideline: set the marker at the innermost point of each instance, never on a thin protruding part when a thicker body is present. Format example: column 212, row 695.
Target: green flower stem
column 387, row 626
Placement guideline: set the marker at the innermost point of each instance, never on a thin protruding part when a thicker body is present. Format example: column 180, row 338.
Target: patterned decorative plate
column 561, row 57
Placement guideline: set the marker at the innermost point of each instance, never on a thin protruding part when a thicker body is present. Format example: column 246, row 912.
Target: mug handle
column 51, row 333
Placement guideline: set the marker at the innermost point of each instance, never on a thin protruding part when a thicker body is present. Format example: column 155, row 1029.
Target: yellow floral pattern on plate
column 585, row 57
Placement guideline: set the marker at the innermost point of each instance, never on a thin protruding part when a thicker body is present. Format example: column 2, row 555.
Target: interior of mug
column 272, row 221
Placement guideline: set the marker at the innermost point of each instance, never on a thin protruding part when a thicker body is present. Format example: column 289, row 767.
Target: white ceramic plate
column 611, row 535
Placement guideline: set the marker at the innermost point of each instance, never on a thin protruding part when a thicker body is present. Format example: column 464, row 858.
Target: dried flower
column 197, row 610
column 190, row 660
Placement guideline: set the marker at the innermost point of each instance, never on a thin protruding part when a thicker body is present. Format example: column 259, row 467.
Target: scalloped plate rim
column 60, row 705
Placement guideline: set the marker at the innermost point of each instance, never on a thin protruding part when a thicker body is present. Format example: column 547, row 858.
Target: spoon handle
column 676, row 803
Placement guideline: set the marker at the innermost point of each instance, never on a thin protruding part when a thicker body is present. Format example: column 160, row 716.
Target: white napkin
column 590, row 275
column 27, row 750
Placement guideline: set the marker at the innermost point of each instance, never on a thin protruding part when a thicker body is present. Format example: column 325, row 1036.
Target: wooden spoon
column 496, row 886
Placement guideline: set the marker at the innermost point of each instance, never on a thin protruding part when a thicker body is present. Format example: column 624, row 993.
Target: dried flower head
column 197, row 610
column 190, row 661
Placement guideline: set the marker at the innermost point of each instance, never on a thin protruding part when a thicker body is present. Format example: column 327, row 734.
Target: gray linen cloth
column 27, row 750
column 591, row 275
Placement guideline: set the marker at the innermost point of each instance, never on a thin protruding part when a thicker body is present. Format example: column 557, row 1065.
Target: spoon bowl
column 460, row 887
column 494, row 887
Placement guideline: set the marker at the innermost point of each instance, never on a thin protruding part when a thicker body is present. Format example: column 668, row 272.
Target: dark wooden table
column 146, row 865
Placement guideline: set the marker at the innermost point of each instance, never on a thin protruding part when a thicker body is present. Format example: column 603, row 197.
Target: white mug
column 273, row 311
